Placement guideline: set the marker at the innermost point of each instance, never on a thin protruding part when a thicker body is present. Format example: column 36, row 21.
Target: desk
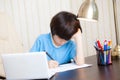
column 95, row 72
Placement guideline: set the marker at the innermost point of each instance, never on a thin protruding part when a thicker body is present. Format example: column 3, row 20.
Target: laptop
column 26, row 66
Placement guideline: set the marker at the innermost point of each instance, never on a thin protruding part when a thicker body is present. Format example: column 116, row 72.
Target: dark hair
column 65, row 25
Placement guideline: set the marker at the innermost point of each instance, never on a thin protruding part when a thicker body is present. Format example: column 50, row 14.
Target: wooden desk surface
column 95, row 72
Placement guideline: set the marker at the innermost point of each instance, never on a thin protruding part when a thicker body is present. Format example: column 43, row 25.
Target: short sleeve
column 36, row 46
column 73, row 51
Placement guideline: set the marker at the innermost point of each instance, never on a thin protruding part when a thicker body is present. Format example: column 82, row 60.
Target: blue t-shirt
column 62, row 54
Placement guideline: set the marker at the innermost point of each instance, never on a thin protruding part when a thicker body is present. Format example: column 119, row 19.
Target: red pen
column 99, row 45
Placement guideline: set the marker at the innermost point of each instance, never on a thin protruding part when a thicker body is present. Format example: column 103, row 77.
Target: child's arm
column 79, row 59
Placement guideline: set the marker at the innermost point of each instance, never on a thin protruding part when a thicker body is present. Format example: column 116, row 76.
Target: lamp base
column 116, row 52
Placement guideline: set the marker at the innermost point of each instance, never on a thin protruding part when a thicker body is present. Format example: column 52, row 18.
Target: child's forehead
column 56, row 36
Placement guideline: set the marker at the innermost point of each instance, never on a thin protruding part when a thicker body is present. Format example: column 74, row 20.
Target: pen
column 99, row 45
column 49, row 56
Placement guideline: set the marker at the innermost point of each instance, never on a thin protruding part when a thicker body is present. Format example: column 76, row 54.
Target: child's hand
column 77, row 34
column 52, row 64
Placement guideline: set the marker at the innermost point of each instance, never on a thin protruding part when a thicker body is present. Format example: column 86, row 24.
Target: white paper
column 66, row 67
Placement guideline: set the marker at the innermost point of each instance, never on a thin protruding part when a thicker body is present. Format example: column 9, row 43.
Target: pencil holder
column 104, row 57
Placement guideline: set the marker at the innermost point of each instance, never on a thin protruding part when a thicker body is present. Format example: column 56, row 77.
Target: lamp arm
column 116, row 50
column 115, row 21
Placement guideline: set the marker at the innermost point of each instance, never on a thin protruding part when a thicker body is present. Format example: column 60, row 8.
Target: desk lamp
column 88, row 11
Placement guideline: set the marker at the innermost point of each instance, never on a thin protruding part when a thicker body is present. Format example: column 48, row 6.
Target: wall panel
column 32, row 17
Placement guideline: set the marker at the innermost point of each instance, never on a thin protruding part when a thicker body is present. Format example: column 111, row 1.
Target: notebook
column 26, row 66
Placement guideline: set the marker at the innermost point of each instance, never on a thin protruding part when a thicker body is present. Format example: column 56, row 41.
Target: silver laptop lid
column 26, row 65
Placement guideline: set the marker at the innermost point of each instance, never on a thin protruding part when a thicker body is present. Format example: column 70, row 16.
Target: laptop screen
column 26, row 65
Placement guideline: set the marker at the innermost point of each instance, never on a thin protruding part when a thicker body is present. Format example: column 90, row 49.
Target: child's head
column 65, row 25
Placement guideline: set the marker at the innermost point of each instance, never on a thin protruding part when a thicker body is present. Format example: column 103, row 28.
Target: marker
column 99, row 45
column 109, row 45
column 105, row 45
column 105, row 51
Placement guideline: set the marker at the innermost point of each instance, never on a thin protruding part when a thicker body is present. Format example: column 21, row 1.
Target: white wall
column 32, row 17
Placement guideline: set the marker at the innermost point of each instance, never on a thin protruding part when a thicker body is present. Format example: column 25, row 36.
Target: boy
column 58, row 44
